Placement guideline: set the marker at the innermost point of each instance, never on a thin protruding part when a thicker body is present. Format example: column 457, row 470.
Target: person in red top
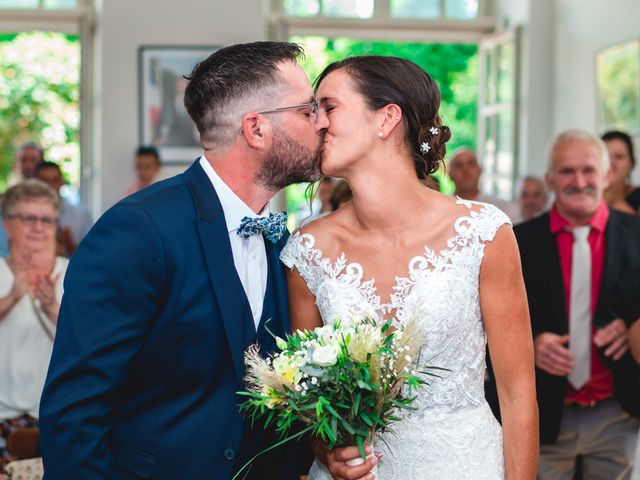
column 581, row 265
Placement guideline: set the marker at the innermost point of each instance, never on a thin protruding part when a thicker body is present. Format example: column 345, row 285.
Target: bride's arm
column 302, row 304
column 505, row 311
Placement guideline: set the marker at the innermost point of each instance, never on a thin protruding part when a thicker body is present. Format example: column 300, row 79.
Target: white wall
column 557, row 85
column 124, row 25
column 583, row 28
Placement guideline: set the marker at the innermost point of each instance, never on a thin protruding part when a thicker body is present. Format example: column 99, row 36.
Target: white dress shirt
column 249, row 255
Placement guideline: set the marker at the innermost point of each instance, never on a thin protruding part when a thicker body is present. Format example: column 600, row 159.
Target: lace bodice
column 440, row 287
column 452, row 433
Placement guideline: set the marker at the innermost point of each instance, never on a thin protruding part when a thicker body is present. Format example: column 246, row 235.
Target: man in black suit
column 581, row 265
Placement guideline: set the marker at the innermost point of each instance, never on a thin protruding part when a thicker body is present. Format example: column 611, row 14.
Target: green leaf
column 347, row 426
column 377, row 419
column 293, row 404
column 333, row 438
column 332, row 410
column 281, row 442
column 365, row 418
column 356, row 403
column 334, row 427
column 360, row 442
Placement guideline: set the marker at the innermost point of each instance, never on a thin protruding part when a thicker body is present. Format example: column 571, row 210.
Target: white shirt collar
column 233, row 207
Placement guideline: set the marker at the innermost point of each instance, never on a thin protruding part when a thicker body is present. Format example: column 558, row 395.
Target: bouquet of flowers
column 343, row 382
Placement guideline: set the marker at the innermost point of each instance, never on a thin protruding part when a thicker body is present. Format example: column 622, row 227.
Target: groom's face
column 295, row 148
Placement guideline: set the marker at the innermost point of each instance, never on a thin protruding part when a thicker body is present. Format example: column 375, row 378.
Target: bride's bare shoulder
column 446, row 205
column 328, row 230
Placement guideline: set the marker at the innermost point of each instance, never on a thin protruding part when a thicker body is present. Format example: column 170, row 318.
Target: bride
column 399, row 248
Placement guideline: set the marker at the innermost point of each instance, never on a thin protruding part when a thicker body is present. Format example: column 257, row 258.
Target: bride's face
column 348, row 126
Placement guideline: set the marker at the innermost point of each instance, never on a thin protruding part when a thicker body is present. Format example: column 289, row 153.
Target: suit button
column 229, row 453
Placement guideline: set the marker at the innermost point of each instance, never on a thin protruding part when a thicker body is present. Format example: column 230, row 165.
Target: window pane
column 490, row 77
column 506, row 71
column 461, row 9
column 59, row 4
column 301, row 8
column 18, row 3
column 415, row 8
column 348, row 8
column 489, row 157
column 504, row 154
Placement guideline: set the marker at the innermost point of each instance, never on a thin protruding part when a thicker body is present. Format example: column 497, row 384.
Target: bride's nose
column 321, row 122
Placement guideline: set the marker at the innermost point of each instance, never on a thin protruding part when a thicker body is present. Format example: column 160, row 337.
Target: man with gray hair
column 581, row 266
column 173, row 283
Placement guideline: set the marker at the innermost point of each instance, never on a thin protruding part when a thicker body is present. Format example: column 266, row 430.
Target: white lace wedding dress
column 453, row 434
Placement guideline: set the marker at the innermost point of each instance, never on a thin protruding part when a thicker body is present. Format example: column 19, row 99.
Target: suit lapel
column 614, row 237
column 216, row 248
column 276, row 308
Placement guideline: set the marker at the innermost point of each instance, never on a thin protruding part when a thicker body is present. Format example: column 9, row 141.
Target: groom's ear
column 256, row 130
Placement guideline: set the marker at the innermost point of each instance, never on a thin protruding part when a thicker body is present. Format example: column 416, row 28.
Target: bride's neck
column 390, row 202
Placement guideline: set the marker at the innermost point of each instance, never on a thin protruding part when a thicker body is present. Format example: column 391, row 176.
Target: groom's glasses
column 311, row 106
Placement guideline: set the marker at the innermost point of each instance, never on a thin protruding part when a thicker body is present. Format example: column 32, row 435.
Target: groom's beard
column 289, row 162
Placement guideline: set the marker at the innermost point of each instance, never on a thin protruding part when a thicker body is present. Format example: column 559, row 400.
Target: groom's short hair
column 233, row 81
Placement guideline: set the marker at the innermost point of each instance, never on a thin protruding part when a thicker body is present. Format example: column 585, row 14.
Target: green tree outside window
column 40, row 99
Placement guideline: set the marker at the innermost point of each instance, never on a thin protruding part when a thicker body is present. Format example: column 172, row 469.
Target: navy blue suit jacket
column 149, row 349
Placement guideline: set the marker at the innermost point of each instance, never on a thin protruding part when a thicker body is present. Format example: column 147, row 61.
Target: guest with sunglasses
column 30, row 291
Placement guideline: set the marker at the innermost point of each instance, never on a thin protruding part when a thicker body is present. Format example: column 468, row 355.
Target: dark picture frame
column 163, row 120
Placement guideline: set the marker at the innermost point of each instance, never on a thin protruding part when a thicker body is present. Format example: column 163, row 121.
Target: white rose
column 325, row 356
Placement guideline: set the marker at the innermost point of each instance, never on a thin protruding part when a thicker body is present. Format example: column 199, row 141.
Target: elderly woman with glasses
column 30, row 291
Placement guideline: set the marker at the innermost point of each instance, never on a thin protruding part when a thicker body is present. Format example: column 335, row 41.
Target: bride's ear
column 391, row 117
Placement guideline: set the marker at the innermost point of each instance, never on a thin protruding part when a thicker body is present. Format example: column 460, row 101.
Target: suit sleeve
column 113, row 294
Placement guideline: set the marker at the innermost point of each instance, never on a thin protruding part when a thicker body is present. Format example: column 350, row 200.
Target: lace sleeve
column 490, row 219
column 290, row 254
column 299, row 253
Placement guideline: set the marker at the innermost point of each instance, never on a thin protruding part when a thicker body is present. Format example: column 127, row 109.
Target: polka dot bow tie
column 273, row 226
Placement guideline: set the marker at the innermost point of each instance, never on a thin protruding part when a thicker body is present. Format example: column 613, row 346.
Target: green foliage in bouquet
column 344, row 382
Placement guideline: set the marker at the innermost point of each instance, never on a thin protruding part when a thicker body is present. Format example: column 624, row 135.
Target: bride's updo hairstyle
column 385, row 80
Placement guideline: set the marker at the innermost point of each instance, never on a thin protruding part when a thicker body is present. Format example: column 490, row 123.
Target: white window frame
column 77, row 21
column 382, row 26
column 489, row 111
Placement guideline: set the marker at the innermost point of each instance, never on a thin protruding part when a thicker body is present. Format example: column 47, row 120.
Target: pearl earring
column 380, row 134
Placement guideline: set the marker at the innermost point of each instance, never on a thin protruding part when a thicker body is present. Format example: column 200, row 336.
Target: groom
column 172, row 284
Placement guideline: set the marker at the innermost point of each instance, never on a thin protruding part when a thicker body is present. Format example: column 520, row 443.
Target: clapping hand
column 552, row 355
column 45, row 292
column 20, row 268
column 614, row 338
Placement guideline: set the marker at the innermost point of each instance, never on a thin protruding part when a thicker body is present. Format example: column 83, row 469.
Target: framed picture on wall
column 164, row 122
column 618, row 88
